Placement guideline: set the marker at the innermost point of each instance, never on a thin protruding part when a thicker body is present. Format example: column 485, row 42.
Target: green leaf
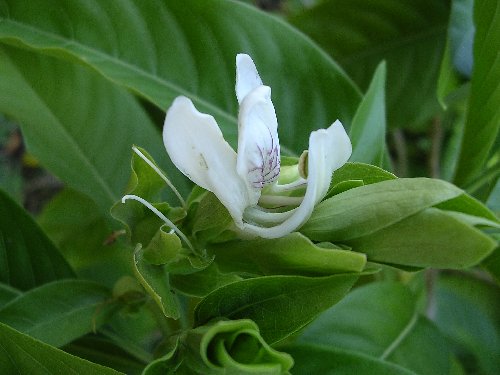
column 201, row 283
column 59, row 312
column 7, row 294
column 81, row 138
column 367, row 209
column 141, row 223
column 333, row 361
column 155, row 281
column 352, row 175
column 448, row 80
column 290, row 255
column 467, row 310
column 181, row 48
column 483, row 118
column 424, row 240
column 409, row 35
column 468, row 205
column 22, row 354
column 368, row 126
column 104, row 352
column 381, row 320
column 27, row 257
column 86, row 238
column 270, row 301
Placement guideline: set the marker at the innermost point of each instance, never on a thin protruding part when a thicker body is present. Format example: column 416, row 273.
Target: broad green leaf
column 271, row 301
column 203, row 282
column 483, row 118
column 315, row 359
column 162, row 49
column 79, row 126
column 294, row 254
column 468, row 205
column 155, row 280
column 381, row 320
column 367, row 173
column 368, row 209
column 27, row 257
column 86, row 238
column 7, row 294
column 22, row 354
column 467, row 310
column 424, row 240
column 59, row 312
column 104, row 352
column 409, row 35
column 368, row 126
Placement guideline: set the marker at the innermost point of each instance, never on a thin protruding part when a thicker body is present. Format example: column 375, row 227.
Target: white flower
column 247, row 183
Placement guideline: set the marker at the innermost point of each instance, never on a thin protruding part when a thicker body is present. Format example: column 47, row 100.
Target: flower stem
column 160, row 173
column 161, row 216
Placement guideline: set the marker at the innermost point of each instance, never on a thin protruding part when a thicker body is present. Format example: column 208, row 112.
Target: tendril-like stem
column 160, row 173
column 161, row 216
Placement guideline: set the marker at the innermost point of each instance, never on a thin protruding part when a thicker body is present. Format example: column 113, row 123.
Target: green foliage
column 181, row 288
column 294, row 254
column 270, row 300
column 479, row 142
column 408, row 34
column 368, row 126
column 223, row 347
column 23, row 354
column 382, row 321
column 150, row 57
column 27, row 257
column 58, row 312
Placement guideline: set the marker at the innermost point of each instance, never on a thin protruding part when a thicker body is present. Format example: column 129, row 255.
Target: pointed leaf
column 381, row 320
column 483, row 118
column 79, row 126
column 271, row 301
column 368, row 126
column 27, row 257
column 22, row 354
column 409, row 35
column 369, row 208
column 181, row 48
column 59, row 312
column 294, row 254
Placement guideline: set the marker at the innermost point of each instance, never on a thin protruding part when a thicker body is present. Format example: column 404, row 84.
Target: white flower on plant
column 248, row 183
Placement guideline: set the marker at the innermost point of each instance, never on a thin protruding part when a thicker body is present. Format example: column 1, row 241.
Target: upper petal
column 247, row 76
column 195, row 144
column 258, row 160
column 329, row 149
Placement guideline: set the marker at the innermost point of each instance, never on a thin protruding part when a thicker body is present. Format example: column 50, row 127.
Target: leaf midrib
column 87, row 51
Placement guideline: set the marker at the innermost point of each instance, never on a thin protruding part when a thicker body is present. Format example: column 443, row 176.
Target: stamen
column 161, row 216
column 160, row 173
column 297, row 184
column 262, row 216
column 277, row 200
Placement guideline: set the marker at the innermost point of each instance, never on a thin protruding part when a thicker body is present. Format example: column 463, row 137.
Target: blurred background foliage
column 442, row 100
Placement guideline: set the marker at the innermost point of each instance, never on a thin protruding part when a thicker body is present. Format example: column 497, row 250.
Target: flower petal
column 258, row 160
column 195, row 144
column 247, row 76
column 329, row 149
